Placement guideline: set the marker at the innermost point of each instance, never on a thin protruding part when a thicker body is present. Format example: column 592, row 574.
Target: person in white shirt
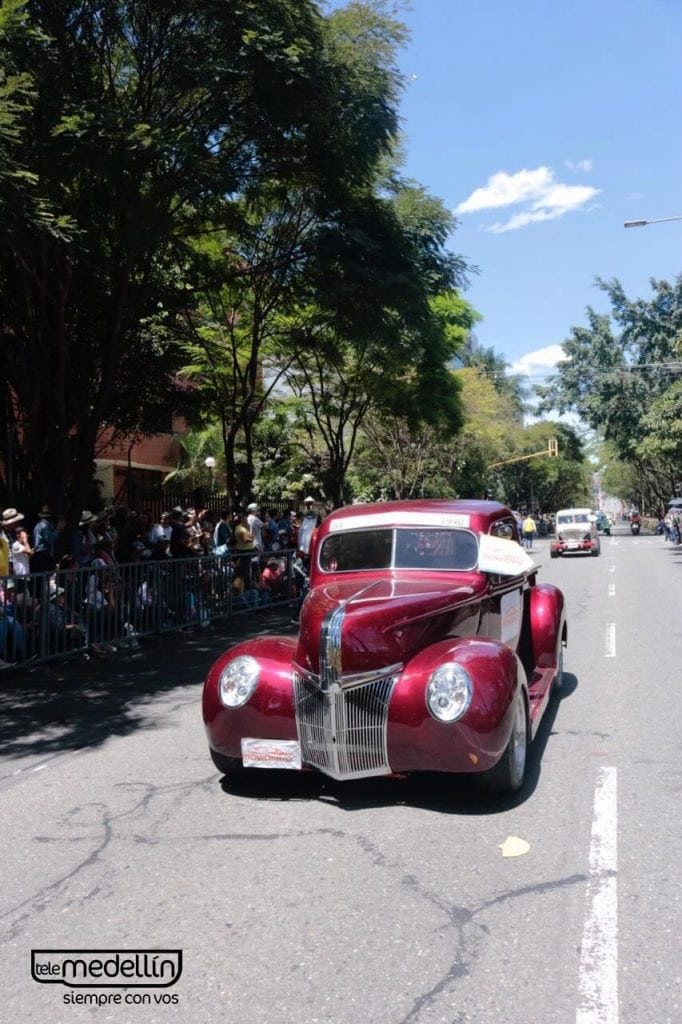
column 308, row 525
column 21, row 553
column 255, row 524
column 161, row 530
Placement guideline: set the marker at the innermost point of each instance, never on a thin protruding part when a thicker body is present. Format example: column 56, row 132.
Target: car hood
column 381, row 623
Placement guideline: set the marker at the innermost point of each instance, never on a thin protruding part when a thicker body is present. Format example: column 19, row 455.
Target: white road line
column 598, row 979
column 612, row 568
column 612, row 589
column 610, row 651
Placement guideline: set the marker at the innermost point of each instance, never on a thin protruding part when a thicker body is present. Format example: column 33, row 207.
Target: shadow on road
column 78, row 703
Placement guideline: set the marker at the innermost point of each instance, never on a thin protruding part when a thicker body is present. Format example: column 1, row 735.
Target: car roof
column 475, row 513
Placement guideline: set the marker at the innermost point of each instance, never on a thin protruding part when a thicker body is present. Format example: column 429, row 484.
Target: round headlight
column 449, row 692
column 238, row 680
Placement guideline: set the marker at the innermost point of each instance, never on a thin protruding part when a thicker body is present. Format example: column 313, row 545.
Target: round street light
column 209, row 462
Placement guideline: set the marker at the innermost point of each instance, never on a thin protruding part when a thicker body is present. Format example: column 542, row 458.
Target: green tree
column 404, row 440
column 620, row 382
column 136, row 127
column 383, row 328
column 545, row 484
column 271, row 288
column 495, row 367
column 489, row 434
column 192, row 448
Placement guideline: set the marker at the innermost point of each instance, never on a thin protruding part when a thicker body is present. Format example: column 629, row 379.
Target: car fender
column 269, row 712
column 478, row 739
column 548, row 630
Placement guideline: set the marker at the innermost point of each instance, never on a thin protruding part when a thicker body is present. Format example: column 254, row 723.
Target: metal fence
column 51, row 615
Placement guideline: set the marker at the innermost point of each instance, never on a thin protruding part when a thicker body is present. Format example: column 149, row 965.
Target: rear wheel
column 226, row 765
column 508, row 775
column 596, row 551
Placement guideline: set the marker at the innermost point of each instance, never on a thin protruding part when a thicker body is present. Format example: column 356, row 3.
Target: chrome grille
column 343, row 731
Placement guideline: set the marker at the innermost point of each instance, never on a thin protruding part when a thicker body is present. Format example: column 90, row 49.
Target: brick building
column 134, row 465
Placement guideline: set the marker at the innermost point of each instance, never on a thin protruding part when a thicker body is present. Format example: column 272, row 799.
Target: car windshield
column 401, row 548
column 577, row 517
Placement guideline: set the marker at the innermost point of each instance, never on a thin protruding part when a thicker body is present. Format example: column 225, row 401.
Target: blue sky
column 586, row 99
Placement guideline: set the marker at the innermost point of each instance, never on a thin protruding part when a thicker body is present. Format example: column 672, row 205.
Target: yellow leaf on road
column 514, row 847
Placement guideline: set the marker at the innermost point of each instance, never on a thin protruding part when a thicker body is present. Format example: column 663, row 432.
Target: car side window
column 357, row 550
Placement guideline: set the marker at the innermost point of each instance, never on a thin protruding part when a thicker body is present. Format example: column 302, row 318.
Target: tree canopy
column 129, row 130
column 621, row 375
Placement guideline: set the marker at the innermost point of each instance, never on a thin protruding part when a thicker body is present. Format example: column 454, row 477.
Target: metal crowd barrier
column 54, row 614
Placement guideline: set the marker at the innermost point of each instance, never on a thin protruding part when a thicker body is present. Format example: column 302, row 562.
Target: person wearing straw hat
column 309, row 523
column 86, row 537
column 10, row 520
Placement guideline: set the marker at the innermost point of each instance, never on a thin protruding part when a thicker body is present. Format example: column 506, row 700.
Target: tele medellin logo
column 109, row 969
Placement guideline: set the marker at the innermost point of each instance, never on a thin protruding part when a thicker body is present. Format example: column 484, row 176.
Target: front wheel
column 508, row 775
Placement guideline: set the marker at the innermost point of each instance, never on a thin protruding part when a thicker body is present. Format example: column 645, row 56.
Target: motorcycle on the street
column 634, row 527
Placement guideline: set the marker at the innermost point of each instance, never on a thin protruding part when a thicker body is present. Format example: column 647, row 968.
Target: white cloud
column 539, row 362
column 545, row 198
column 519, row 220
column 504, row 189
column 580, row 165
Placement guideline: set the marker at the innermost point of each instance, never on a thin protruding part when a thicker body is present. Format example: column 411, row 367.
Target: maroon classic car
column 425, row 644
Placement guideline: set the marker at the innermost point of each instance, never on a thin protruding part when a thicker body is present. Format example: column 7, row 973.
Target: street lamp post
column 644, row 223
column 209, row 462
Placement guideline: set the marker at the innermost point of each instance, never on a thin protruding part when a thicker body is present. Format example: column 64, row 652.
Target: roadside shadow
column 76, row 703
column 433, row 791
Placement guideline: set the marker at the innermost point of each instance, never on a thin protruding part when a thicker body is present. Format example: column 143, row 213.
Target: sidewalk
column 56, row 707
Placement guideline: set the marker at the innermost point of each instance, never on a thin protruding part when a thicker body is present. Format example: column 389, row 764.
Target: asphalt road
column 298, row 899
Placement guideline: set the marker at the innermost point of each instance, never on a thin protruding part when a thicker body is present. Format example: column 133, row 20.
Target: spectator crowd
column 66, row 587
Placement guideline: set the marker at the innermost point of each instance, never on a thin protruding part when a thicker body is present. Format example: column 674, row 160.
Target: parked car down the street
column 576, row 532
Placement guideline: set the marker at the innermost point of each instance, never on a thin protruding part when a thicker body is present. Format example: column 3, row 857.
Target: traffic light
column 553, row 448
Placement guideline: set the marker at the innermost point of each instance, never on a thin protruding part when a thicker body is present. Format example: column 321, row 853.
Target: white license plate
column 573, row 545
column 271, row 753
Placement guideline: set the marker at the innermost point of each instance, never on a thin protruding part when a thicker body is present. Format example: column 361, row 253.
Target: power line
column 670, row 367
